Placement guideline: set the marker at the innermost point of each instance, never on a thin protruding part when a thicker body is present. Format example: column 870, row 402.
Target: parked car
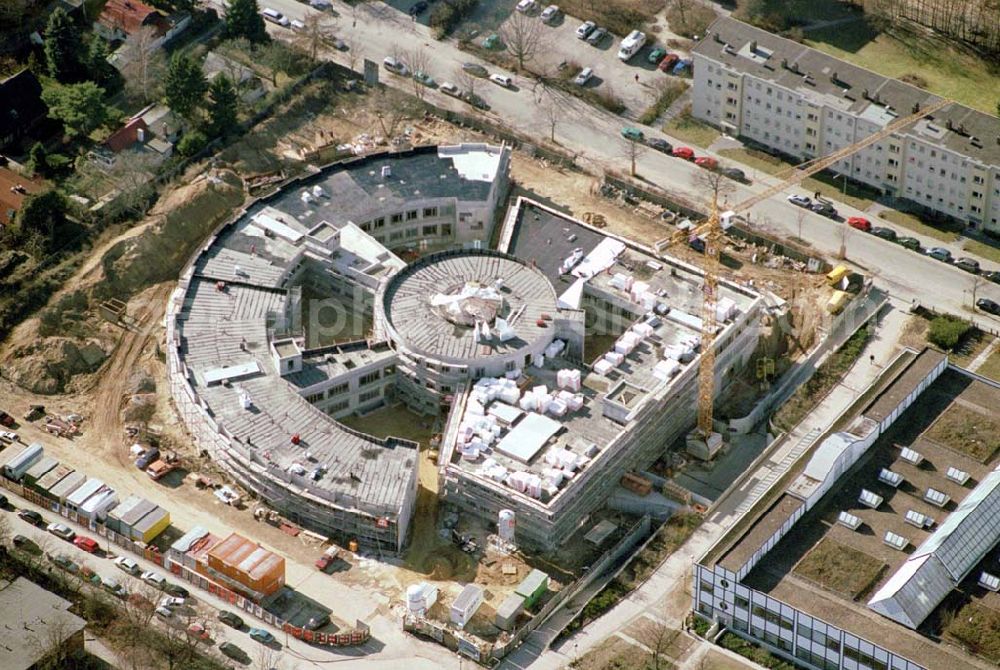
column 274, row 16
column 89, row 545
column 968, row 264
column 824, row 208
column 475, row 69
column 687, row 153
column 659, row 145
column 800, row 201
column 860, row 222
column 706, row 162
column 9, row 436
column 31, row 516
column 632, row 134
column 450, row 89
column 939, row 254
column 909, row 242
column 295, row 24
column 261, row 635
column 171, row 602
column 668, row 62
column 234, row 652
column 884, row 233
column 585, row 29
column 992, row 276
column 198, row 631
column 4, row 502
column 502, row 80
column 476, row 100
column 230, row 619
column 656, row 55
column 395, row 66
column 525, row 6
column 550, row 14
column 418, row 8
column 595, row 38
column 989, row 306
column 422, row 77
column 164, row 613
column 34, row 413
column 585, row 75
column 6, row 419
column 175, row 590
column 735, row 174
column 126, row 564
column 153, row 578
column 147, row 458
column 63, row 562
column 61, row 531
column 114, row 587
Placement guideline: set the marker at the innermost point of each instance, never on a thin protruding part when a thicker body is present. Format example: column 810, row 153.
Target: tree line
column 976, row 22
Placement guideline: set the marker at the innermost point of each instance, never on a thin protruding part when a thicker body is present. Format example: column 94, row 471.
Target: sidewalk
column 665, row 593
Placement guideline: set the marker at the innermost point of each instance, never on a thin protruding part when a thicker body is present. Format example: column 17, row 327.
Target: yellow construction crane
column 711, row 232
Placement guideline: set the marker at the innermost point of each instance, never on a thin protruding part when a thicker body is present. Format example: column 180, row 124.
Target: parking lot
column 558, row 43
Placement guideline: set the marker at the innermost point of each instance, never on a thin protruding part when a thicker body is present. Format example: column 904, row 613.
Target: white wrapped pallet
column 528, row 402
column 638, row 288
column 509, row 395
column 622, row 282
column 474, row 408
column 553, row 476
column 557, row 408
column 615, row 358
column 470, row 453
column 538, row 360
column 513, row 374
column 575, row 403
column 642, row 329
column 666, row 369
column 603, row 367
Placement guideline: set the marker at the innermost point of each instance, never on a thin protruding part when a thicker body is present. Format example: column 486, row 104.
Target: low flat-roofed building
column 777, row 567
column 36, row 621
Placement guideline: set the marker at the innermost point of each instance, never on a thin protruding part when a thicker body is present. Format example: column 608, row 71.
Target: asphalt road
column 375, row 30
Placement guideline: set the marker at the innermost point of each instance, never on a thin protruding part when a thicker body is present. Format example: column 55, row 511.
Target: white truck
column 631, row 44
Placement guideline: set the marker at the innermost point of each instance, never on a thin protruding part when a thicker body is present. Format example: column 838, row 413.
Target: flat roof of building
column 780, row 573
column 246, row 556
column 425, row 302
column 844, row 86
column 38, row 616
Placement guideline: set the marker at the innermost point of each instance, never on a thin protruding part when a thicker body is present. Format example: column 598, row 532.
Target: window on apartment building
column 397, row 218
column 430, row 211
column 446, row 229
column 411, row 215
column 977, row 194
column 811, row 132
column 731, row 86
column 314, row 398
column 769, row 92
column 933, row 153
column 730, row 101
column 412, row 232
column 395, row 235
column 810, row 146
column 337, row 390
column 369, row 395
column 976, row 179
column 370, row 378
column 366, row 226
column 380, row 239
column 961, row 180
column 430, row 230
column 389, row 370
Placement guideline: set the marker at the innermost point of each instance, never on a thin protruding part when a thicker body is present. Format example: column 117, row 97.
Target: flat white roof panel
column 216, row 375
column 528, row 437
column 268, row 222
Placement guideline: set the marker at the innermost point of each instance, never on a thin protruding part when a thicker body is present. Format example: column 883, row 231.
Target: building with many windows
column 805, row 104
column 866, row 552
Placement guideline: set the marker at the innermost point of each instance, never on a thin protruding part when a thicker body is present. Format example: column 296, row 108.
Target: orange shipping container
column 249, row 564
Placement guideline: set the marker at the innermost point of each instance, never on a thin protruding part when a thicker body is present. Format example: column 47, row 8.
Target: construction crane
column 711, row 232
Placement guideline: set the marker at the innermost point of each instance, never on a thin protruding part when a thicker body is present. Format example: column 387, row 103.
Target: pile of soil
column 47, row 366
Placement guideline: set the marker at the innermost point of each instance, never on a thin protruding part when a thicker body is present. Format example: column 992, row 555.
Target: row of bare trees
column 974, row 21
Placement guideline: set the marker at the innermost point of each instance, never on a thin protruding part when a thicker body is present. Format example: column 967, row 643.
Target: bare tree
column 418, row 61
column 657, row 637
column 5, row 532
column 352, row 51
column 466, row 81
column 47, row 640
column 632, row 150
column 714, row 183
column 316, row 33
column 552, row 111
column 144, row 65
column 977, row 282
column 266, row 657
column 799, row 218
column 521, row 35
column 392, row 108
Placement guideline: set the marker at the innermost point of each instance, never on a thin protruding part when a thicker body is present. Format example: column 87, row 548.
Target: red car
column 85, row 543
column 706, row 162
column 687, row 153
column 668, row 62
column 198, row 631
column 860, row 222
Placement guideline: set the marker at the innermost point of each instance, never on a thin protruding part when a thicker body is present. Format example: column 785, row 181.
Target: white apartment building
column 804, row 103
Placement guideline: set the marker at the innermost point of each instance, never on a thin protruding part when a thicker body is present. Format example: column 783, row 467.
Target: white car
column 297, row 25
column 550, row 13
column 502, row 80
column 164, row 613
column 585, row 75
column 450, row 89
column 585, row 29
column 525, row 6
column 274, row 16
column 126, row 564
column 172, row 602
column 9, row 436
column 800, row 201
column 150, row 577
column 395, row 65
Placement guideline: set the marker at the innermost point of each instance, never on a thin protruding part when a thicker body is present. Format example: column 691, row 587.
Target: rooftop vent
column 753, row 46
column 386, row 171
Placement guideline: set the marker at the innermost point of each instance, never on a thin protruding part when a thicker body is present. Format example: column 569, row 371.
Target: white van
column 274, row 16
column 631, row 44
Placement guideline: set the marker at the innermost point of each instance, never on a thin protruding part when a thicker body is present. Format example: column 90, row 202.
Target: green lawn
column 689, row 129
column 946, row 233
column 947, row 71
column 983, row 250
column 966, row 431
column 840, row 568
column 971, row 346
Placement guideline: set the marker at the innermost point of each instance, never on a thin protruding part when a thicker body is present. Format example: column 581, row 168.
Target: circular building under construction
column 457, row 316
